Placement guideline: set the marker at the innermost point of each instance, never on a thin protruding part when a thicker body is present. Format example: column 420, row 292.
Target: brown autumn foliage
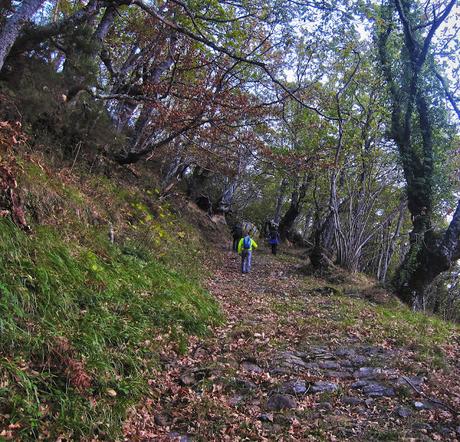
column 62, row 356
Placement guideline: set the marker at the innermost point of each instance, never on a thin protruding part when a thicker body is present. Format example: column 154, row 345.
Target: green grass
column 384, row 434
column 392, row 323
column 99, row 306
column 285, row 307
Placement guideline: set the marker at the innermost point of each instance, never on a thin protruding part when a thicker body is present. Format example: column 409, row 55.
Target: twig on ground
column 433, row 400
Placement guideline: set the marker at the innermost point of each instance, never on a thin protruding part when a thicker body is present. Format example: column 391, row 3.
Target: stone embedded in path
column 373, row 389
column 419, row 405
column 368, row 372
column 312, row 366
column 329, row 365
column 320, row 353
column 378, row 390
column 374, row 351
column 354, row 361
column 245, row 385
column 351, row 400
column 287, row 362
column 403, row 411
column 358, row 360
column 266, row 417
column 277, row 402
column 344, row 352
column 339, row 374
column 294, row 387
column 292, row 358
column 251, row 367
column 422, row 426
column 300, row 354
column 359, row 384
column 324, row 387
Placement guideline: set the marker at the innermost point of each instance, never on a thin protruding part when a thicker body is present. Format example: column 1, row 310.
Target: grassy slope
column 79, row 316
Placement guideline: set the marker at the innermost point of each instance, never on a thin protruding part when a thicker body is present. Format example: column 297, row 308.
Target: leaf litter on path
column 278, row 332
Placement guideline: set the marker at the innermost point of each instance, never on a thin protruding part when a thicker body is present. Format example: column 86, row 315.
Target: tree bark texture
column 388, row 244
column 280, row 201
column 323, row 241
column 14, row 25
column 34, row 35
column 289, row 218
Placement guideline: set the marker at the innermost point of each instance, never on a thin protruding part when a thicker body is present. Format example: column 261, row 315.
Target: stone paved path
column 295, row 361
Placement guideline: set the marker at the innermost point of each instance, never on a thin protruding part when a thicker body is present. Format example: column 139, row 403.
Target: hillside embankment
column 107, row 273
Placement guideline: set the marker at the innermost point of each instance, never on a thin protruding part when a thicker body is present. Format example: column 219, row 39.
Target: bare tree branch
column 242, row 58
column 449, row 95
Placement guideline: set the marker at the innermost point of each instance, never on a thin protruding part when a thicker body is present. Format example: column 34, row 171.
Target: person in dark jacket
column 237, row 233
column 274, row 240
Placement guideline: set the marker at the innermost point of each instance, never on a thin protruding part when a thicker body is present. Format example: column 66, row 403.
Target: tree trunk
column 280, row 201
column 172, row 173
column 293, row 211
column 430, row 253
column 389, row 245
column 308, row 225
column 225, row 203
column 323, row 240
column 198, row 186
column 290, row 216
column 34, row 35
column 145, row 135
column 80, row 80
column 14, row 24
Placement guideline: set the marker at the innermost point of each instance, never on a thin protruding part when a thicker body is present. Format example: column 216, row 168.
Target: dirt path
column 297, row 359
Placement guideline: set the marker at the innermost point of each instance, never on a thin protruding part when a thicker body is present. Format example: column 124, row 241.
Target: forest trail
column 297, row 359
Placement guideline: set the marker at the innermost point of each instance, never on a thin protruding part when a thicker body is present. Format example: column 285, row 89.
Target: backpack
column 247, row 242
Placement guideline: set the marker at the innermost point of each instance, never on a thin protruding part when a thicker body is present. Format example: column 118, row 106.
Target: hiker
column 274, row 240
column 237, row 233
column 245, row 247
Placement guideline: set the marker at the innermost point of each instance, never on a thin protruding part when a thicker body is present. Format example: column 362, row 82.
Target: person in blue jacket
column 274, row 240
column 245, row 247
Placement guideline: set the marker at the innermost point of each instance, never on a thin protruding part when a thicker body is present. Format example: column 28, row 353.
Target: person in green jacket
column 245, row 247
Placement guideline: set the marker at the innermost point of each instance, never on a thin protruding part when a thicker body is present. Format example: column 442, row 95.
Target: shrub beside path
column 299, row 358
